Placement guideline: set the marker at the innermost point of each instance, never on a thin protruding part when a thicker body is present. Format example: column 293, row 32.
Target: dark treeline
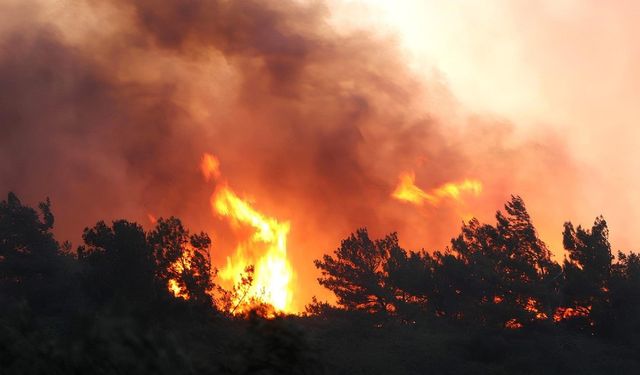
column 130, row 301
column 501, row 276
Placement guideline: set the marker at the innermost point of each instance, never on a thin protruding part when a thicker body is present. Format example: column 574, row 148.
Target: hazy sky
column 316, row 108
column 569, row 65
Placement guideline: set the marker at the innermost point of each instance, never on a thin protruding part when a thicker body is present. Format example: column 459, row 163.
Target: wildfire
column 408, row 191
column 184, row 262
column 152, row 219
column 513, row 324
column 265, row 249
column 564, row 313
column 532, row 306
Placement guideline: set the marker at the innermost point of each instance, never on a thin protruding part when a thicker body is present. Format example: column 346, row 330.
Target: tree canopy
column 130, row 300
column 500, row 275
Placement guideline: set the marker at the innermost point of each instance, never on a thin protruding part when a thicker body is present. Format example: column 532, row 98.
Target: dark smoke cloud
column 314, row 124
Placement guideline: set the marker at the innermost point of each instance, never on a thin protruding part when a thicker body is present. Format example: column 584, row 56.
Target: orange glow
column 513, row 324
column 532, row 306
column 407, row 190
column 210, row 167
column 265, row 249
column 569, row 312
column 152, row 219
column 175, row 289
column 183, row 263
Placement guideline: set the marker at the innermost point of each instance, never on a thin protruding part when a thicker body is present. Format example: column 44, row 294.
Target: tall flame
column 408, row 191
column 265, row 249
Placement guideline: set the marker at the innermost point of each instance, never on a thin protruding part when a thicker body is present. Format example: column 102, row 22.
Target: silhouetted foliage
column 184, row 258
column 119, row 264
column 356, row 274
column 272, row 347
column 31, row 262
column 623, row 318
column 409, row 276
column 491, row 275
column 232, row 301
column 318, row 308
column 141, row 302
column 587, row 272
column 500, row 274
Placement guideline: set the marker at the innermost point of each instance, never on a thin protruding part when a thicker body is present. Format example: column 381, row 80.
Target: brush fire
column 265, row 249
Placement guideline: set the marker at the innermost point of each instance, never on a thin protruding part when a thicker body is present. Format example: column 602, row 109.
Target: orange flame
column 210, row 167
column 152, row 219
column 513, row 324
column 564, row 313
column 408, row 191
column 532, row 306
column 184, row 262
column 265, row 249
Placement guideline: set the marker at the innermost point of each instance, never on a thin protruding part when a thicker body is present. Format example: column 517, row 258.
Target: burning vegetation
column 264, row 252
column 491, row 281
column 500, row 275
column 103, row 107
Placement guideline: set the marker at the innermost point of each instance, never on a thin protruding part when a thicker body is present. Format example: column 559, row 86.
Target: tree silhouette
column 491, row 275
column 183, row 258
column 498, row 274
column 587, row 271
column 119, row 264
column 31, row 264
column 235, row 300
column 110, row 310
column 530, row 277
column 356, row 274
column 466, row 280
column 409, row 276
column 623, row 320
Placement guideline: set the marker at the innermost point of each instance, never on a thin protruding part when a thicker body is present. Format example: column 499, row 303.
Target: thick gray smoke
column 108, row 108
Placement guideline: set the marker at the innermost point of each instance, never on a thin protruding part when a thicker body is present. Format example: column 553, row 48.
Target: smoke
column 108, row 106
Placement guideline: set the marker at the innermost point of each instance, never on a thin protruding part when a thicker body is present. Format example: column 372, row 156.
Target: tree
column 587, row 271
column 356, row 272
column 467, row 279
column 624, row 295
column 119, row 264
column 409, row 275
column 126, row 266
column 236, row 300
column 182, row 260
column 590, row 252
column 31, row 263
column 498, row 274
column 531, row 277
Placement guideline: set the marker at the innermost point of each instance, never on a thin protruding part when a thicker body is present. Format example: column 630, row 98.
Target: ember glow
column 265, row 249
column 179, row 266
column 564, row 313
column 408, row 191
column 532, row 306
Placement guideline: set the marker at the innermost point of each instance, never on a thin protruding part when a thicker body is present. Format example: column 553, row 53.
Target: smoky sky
column 107, row 106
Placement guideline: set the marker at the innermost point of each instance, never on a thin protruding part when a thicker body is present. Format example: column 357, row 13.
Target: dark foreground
column 495, row 303
column 191, row 343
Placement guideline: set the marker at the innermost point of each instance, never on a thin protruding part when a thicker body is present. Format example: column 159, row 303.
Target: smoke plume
column 107, row 106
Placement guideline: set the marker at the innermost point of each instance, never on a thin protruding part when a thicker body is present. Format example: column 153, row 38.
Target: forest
column 126, row 301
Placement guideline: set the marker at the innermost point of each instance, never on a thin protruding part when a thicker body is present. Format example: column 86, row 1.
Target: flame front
column 408, row 191
column 182, row 263
column 565, row 313
column 265, row 249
